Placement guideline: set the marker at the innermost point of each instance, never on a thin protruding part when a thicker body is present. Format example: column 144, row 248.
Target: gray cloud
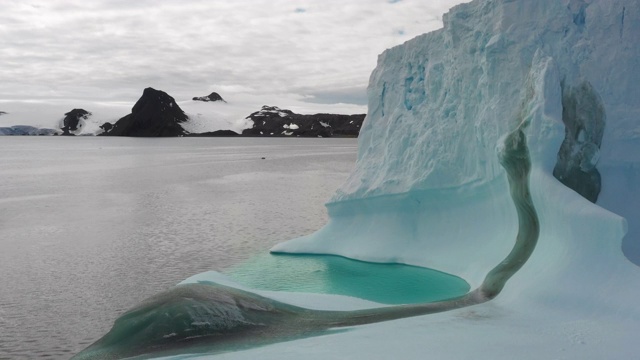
column 355, row 95
column 109, row 50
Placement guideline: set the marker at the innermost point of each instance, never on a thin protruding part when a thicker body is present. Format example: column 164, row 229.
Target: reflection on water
column 89, row 227
column 384, row 283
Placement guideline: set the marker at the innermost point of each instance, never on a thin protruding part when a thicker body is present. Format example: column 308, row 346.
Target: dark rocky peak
column 106, row 126
column 214, row 96
column 155, row 114
column 158, row 101
column 73, row 121
column 2, row 113
column 271, row 111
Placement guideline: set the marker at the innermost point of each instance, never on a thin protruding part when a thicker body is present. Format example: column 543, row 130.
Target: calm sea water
column 91, row 226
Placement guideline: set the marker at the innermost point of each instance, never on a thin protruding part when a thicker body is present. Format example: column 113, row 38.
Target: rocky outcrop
column 73, row 121
column 214, row 96
column 273, row 121
column 106, row 127
column 156, row 114
column 24, row 130
column 217, row 133
column 18, row 130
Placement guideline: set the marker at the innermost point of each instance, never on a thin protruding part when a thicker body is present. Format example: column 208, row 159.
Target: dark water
column 91, row 226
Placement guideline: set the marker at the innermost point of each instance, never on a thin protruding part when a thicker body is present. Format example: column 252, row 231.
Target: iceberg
column 438, row 104
column 428, row 190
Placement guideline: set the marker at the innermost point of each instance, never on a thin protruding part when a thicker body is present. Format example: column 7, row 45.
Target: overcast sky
column 316, row 51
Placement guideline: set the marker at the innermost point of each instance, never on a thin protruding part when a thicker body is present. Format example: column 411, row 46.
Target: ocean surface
column 90, row 226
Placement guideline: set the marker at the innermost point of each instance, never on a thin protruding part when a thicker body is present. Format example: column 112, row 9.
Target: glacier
column 428, row 188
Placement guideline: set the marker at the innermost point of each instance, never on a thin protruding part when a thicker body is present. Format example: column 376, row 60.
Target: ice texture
column 438, row 105
column 428, row 190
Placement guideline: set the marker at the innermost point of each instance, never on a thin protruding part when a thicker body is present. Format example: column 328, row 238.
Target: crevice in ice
column 577, row 7
column 414, row 90
column 384, row 89
column 207, row 317
column 584, row 116
column 624, row 9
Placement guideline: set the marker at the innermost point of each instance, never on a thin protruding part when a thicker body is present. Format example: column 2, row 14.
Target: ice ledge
column 443, row 230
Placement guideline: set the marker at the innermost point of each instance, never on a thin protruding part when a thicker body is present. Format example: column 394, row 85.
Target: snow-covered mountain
column 273, row 121
column 156, row 113
column 209, row 116
column 205, row 115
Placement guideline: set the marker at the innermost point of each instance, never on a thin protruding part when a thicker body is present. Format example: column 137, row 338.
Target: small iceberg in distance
column 327, row 274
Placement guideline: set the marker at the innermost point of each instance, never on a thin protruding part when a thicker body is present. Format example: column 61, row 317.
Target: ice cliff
column 439, row 103
column 428, row 190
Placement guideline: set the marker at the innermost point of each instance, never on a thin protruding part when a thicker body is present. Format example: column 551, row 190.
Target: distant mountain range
column 156, row 114
column 273, row 121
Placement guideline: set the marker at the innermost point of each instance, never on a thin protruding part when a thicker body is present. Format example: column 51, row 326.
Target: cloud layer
column 317, row 51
